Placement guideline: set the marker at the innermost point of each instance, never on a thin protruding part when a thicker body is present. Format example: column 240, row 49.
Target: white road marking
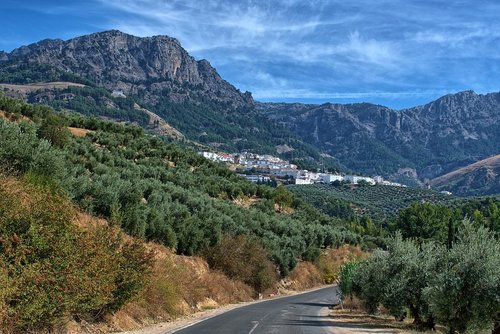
column 254, row 326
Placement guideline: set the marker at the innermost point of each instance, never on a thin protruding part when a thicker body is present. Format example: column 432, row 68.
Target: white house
column 117, row 93
column 355, row 179
column 303, row 181
column 256, row 178
column 329, row 178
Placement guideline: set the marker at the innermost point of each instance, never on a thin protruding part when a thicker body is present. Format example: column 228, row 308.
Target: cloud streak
column 322, row 49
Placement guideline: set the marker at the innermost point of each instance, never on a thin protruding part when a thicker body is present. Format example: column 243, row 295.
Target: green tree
column 282, row 197
column 427, row 222
column 464, row 294
column 54, row 129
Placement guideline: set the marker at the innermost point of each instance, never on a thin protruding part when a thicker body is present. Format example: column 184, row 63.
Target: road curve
column 303, row 313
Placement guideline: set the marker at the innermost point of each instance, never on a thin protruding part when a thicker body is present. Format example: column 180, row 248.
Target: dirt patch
column 245, row 201
column 305, row 276
column 13, row 117
column 23, row 90
column 352, row 319
column 78, row 132
column 159, row 125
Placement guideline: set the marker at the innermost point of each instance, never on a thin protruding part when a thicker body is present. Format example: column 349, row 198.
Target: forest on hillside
column 155, row 190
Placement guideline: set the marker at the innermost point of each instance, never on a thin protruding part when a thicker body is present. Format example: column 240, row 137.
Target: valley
column 122, row 206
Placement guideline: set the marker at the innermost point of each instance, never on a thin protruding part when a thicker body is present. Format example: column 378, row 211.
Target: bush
column 395, row 279
column 244, row 259
column 465, row 293
column 21, row 150
column 347, row 273
column 52, row 268
column 457, row 287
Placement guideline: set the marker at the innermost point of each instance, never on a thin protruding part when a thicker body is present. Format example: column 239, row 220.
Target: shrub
column 465, row 293
column 244, row 259
column 347, row 273
column 21, row 150
column 52, row 268
column 395, row 279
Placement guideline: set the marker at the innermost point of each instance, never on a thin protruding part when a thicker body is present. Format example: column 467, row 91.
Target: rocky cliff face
column 135, row 65
column 432, row 139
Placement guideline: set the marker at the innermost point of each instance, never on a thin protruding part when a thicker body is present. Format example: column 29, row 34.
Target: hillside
column 481, row 177
column 412, row 145
column 153, row 82
column 157, row 74
column 377, row 201
column 159, row 191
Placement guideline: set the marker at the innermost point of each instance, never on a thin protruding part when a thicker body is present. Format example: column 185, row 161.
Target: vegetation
column 96, row 101
column 456, row 287
column 244, row 259
column 51, row 269
column 439, row 223
column 160, row 192
column 379, row 201
column 16, row 72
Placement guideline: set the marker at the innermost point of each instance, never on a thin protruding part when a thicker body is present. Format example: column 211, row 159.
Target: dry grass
column 24, row 89
column 13, row 117
column 78, row 132
column 353, row 317
column 332, row 259
column 178, row 286
column 305, row 276
column 245, row 201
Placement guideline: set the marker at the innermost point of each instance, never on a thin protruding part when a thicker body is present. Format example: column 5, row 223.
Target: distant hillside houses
column 219, row 157
column 250, row 160
column 256, row 178
column 269, row 165
column 355, row 179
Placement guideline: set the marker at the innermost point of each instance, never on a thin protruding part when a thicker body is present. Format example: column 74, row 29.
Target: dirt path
column 346, row 322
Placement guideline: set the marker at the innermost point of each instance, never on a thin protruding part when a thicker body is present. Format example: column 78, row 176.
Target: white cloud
column 303, row 48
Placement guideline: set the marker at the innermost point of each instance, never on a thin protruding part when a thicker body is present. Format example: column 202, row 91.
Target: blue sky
column 395, row 53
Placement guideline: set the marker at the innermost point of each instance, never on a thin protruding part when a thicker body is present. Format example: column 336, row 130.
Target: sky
column 395, row 53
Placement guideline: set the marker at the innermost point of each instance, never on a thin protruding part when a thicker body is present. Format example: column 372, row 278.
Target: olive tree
column 464, row 294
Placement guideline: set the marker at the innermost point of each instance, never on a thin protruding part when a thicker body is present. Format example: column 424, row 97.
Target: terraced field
column 379, row 201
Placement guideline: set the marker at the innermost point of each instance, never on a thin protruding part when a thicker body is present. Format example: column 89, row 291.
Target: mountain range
column 128, row 78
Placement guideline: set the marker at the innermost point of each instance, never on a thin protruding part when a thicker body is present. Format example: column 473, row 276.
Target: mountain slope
column 423, row 142
column 157, row 74
column 132, row 64
column 482, row 177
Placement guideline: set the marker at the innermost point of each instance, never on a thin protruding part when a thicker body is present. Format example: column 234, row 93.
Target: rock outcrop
column 135, row 65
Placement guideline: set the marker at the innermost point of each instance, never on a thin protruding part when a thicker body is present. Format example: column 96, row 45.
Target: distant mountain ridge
column 160, row 76
column 482, row 177
column 412, row 145
column 420, row 143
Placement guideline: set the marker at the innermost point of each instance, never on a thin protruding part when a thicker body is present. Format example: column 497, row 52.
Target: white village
column 262, row 168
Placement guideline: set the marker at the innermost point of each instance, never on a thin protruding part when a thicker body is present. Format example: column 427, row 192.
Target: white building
column 329, row 178
column 220, row 157
column 256, row 178
column 118, row 93
column 286, row 172
column 303, row 181
column 355, row 179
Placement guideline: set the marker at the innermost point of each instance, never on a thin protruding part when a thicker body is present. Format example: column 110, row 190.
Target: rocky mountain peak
column 117, row 60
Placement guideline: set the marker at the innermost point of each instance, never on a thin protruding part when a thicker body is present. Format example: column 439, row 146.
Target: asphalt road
column 304, row 313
